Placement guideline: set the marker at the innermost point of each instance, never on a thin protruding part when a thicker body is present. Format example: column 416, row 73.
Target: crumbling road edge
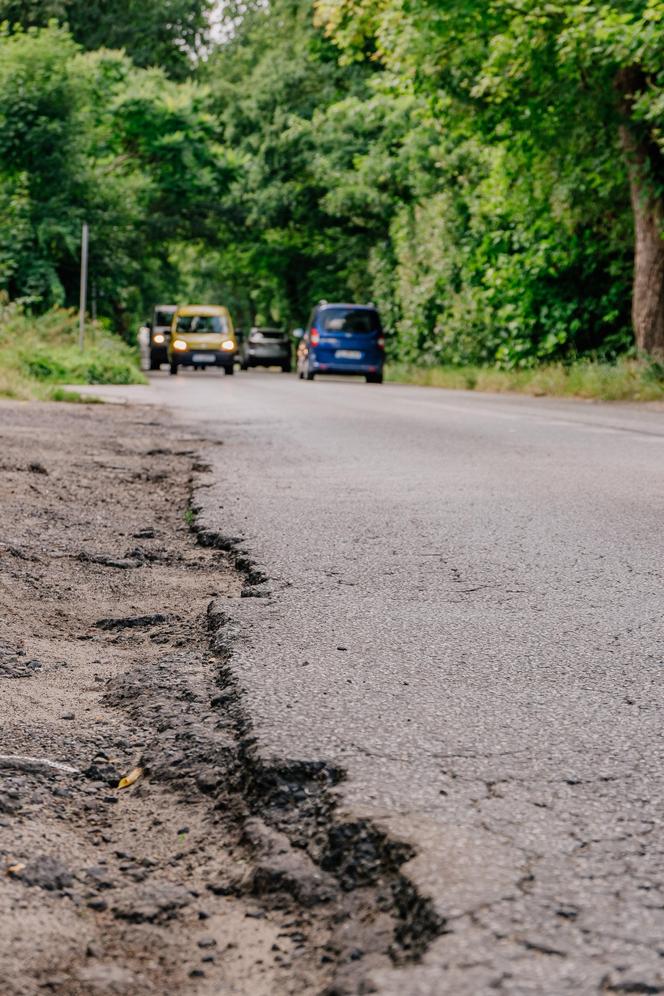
column 351, row 864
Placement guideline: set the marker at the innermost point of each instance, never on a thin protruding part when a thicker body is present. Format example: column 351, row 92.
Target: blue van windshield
column 357, row 320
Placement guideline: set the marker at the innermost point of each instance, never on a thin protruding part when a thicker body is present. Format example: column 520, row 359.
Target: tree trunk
column 648, row 290
column 645, row 168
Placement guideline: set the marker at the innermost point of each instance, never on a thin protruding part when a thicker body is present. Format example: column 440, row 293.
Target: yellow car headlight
column 158, row 338
column 228, row 345
column 180, row 344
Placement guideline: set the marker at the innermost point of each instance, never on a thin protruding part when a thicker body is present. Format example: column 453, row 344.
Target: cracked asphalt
column 466, row 615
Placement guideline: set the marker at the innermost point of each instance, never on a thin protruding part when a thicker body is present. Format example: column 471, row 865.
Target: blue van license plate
column 348, row 354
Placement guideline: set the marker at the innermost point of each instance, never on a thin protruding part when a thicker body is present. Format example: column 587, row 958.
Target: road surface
column 466, row 615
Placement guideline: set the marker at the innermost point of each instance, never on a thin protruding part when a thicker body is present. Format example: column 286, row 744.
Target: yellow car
column 202, row 336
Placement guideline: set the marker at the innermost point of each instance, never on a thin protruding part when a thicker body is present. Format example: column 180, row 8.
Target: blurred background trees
column 152, row 32
column 476, row 169
column 89, row 135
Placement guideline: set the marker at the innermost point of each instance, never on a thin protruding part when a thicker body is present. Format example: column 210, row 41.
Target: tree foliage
column 462, row 164
column 479, row 169
column 89, row 136
column 569, row 98
column 166, row 33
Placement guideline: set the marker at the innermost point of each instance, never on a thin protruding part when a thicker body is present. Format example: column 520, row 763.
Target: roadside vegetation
column 624, row 380
column 40, row 354
column 478, row 171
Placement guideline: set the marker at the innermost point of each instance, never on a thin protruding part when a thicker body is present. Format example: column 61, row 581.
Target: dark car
column 342, row 339
column 160, row 333
column 265, row 348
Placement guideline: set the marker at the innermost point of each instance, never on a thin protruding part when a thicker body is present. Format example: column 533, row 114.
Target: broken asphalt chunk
column 46, row 872
column 157, row 903
column 132, row 622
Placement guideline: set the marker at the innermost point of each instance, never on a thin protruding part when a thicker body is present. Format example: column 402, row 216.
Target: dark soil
column 103, row 586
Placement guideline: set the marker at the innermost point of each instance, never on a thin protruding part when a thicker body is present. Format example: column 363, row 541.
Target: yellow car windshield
column 215, row 324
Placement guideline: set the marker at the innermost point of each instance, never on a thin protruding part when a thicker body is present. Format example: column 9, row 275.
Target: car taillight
column 314, row 337
column 380, row 342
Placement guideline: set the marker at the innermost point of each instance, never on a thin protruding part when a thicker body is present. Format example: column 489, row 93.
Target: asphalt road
column 467, row 616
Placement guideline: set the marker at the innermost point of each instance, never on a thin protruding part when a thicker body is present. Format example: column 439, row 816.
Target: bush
column 36, row 354
column 109, row 363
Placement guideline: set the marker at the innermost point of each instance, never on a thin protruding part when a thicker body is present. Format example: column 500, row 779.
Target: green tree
column 42, row 163
column 270, row 80
column 90, row 136
column 577, row 87
column 167, row 33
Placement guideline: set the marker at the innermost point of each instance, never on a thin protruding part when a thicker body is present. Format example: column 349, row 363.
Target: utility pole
column 85, row 234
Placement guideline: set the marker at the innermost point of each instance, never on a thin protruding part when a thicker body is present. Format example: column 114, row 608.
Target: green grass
column 625, row 380
column 73, row 397
column 40, row 354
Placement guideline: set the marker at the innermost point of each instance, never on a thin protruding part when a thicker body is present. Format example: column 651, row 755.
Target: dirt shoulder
column 105, row 665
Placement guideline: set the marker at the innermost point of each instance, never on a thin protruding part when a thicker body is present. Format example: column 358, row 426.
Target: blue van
column 342, row 339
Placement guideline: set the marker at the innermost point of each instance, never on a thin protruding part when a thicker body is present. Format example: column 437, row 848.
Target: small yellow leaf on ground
column 15, row 869
column 129, row 779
